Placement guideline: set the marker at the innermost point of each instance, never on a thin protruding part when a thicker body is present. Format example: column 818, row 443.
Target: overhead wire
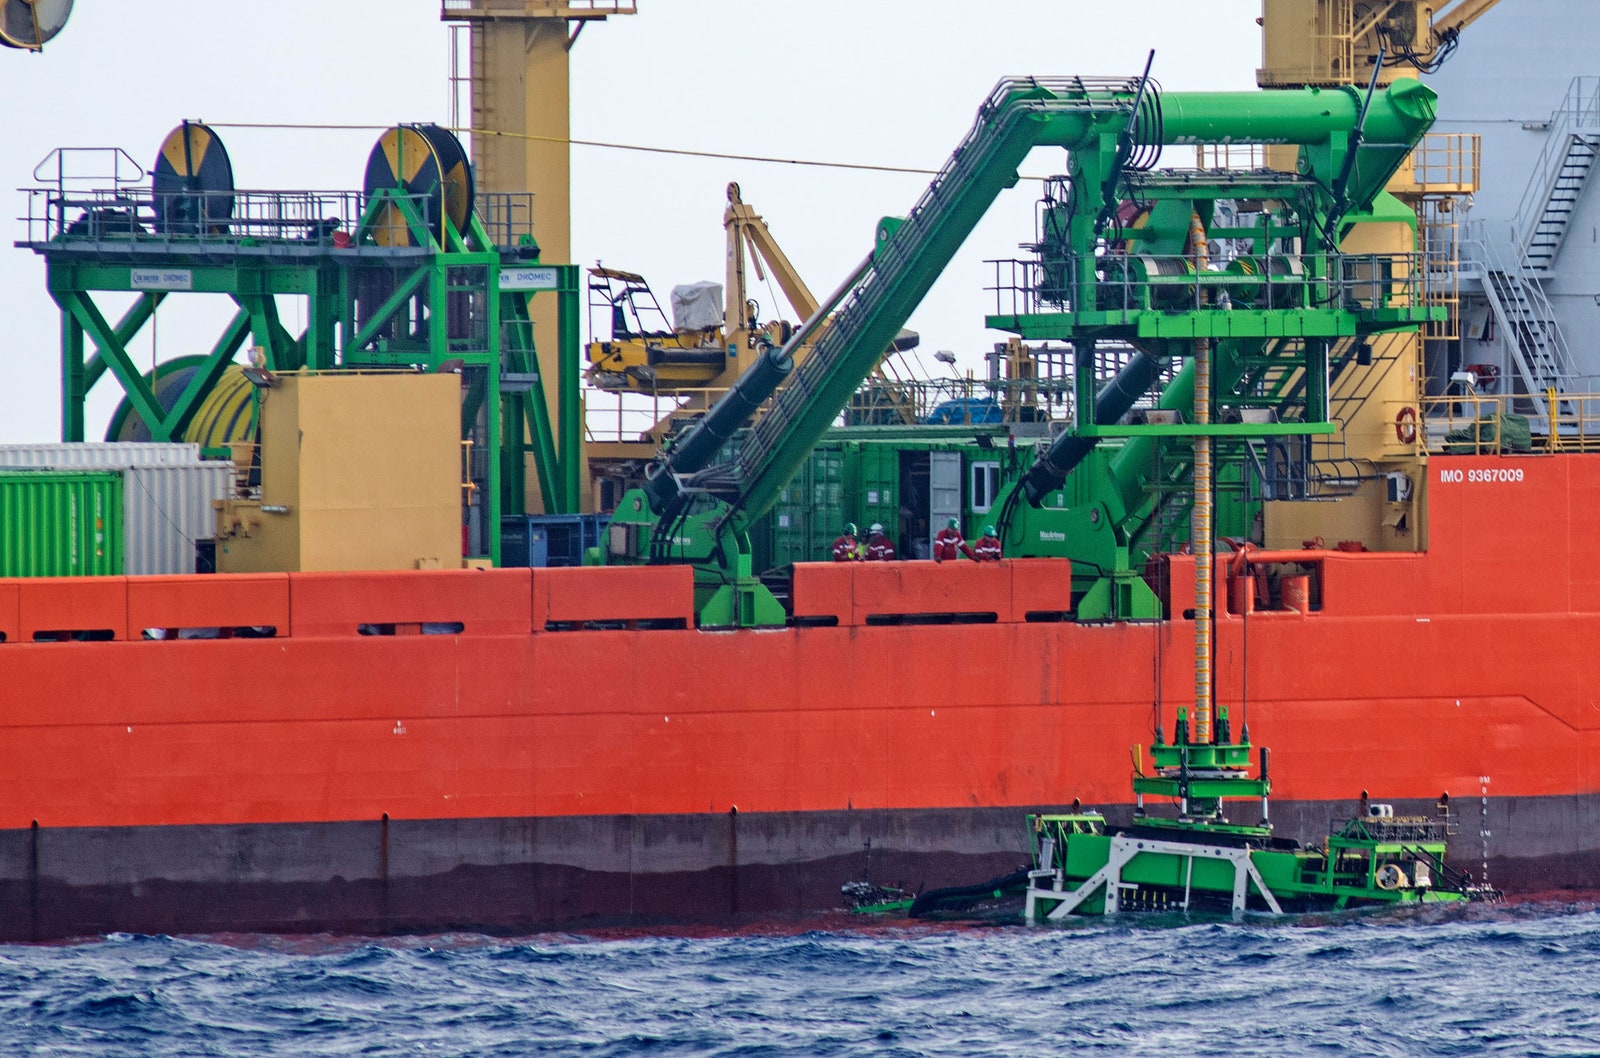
column 685, row 152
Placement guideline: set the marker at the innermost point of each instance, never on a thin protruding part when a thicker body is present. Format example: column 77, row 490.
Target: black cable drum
column 424, row 161
column 192, row 182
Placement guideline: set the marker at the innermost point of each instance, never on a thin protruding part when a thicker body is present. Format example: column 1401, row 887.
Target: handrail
column 1126, row 282
column 639, row 417
column 1535, row 319
column 263, row 221
column 1574, row 424
column 44, row 172
column 1579, row 110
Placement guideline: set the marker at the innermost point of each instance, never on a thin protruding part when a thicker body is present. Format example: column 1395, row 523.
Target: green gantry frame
column 448, row 299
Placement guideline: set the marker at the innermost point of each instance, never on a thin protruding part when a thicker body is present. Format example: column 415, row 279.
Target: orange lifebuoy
column 1405, row 426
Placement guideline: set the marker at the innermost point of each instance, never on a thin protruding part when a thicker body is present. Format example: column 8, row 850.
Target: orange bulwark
column 565, row 734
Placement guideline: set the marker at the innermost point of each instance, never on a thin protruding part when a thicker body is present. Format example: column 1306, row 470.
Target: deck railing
column 1476, row 423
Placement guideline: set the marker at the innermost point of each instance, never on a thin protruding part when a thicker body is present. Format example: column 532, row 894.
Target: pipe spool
column 30, row 24
column 426, row 161
column 192, row 182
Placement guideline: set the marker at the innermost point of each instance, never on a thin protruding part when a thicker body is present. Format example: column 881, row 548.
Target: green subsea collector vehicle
column 1199, row 860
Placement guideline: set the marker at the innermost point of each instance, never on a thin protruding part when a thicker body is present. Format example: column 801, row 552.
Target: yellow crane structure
column 521, row 118
column 700, row 364
column 1322, row 43
column 749, row 239
column 665, row 361
column 1336, row 42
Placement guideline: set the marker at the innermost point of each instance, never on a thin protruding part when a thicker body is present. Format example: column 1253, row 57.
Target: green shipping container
column 60, row 524
column 873, row 480
column 809, row 513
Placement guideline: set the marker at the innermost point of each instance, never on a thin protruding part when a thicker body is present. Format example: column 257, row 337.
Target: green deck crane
column 702, row 495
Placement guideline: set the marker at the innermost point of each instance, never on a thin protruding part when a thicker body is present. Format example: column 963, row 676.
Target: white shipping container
column 165, row 509
column 72, row 455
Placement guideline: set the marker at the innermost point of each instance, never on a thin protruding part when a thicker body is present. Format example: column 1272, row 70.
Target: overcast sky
column 889, row 82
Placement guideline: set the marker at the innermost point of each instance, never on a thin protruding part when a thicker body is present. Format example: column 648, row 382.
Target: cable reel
column 428, row 163
column 193, row 182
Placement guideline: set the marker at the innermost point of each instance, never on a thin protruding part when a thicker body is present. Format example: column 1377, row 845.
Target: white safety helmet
column 877, row 527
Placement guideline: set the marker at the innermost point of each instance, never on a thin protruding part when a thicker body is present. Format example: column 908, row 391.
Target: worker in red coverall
column 988, row 547
column 847, row 548
column 948, row 544
column 878, row 547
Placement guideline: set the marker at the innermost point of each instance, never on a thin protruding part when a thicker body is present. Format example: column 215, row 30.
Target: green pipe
column 1399, row 114
column 1134, row 464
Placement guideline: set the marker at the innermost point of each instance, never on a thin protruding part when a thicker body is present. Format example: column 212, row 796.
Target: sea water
column 1514, row 980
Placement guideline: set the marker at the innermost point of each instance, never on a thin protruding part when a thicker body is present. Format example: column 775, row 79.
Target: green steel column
column 322, row 318
column 512, row 455
column 569, row 421
column 439, row 321
column 491, row 463
column 1088, row 169
column 1317, row 380
column 503, row 430
column 346, row 314
column 534, row 405
column 73, row 389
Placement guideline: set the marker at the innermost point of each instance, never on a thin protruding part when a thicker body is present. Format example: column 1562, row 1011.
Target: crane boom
column 1460, row 15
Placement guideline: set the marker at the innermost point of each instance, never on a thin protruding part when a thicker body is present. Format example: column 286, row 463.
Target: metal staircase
column 1560, row 174
column 1512, row 289
column 1522, row 308
column 1168, row 525
column 1523, row 314
column 1542, row 237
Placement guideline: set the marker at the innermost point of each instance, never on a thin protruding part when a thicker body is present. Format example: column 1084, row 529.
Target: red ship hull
column 578, row 752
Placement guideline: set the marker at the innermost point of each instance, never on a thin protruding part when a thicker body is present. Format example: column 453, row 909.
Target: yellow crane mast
column 1379, row 395
column 521, row 118
column 1336, row 42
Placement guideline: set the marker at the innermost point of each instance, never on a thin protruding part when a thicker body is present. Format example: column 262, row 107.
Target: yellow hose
column 1200, row 522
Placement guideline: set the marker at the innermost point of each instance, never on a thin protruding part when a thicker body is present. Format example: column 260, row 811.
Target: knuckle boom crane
column 1264, row 325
